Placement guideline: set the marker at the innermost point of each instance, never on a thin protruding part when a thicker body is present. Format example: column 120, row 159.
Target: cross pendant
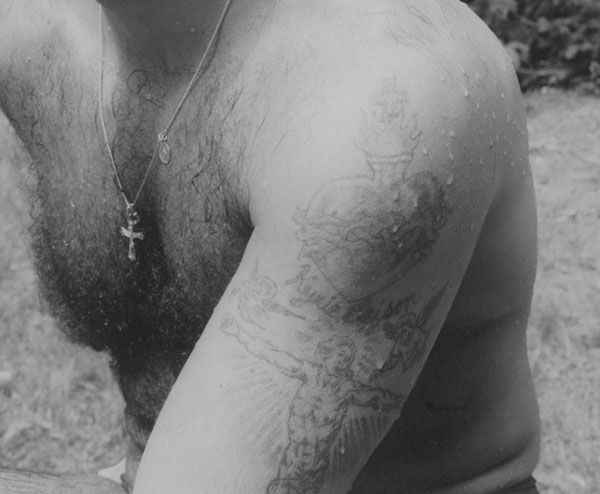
column 132, row 219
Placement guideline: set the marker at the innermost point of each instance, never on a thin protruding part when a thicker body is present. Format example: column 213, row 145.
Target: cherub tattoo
column 328, row 390
column 257, row 304
column 380, row 225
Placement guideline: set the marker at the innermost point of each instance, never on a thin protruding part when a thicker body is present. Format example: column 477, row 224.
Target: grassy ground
column 60, row 410
column 565, row 323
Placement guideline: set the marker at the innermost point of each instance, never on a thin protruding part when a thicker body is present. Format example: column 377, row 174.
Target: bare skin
column 337, row 264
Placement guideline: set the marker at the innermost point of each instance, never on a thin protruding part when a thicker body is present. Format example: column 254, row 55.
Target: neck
column 175, row 31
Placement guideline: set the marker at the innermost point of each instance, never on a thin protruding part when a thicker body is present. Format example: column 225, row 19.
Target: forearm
column 25, row 482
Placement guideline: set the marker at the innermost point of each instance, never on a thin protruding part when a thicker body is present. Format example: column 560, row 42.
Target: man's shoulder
column 407, row 85
column 438, row 48
column 440, row 54
column 398, row 34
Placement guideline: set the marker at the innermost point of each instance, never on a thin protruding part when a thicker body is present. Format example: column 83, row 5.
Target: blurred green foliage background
column 552, row 42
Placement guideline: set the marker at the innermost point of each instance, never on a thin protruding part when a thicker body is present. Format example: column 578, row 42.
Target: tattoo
column 307, row 295
column 364, row 233
column 257, row 304
column 360, row 235
column 365, row 312
column 336, row 377
column 328, row 389
column 362, row 311
column 410, row 334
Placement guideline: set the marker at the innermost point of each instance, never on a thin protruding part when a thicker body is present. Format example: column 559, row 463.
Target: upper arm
column 362, row 236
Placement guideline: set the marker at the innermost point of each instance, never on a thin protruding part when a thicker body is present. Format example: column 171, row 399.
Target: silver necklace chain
column 162, row 149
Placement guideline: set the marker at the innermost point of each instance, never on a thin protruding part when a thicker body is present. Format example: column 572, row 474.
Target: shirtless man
column 341, row 207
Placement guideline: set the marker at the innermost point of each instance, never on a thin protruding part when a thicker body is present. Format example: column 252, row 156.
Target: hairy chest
column 192, row 213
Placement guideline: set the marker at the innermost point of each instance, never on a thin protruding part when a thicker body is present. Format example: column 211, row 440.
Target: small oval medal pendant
column 164, row 152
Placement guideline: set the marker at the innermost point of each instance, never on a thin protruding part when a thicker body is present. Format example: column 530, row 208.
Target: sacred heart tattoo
column 377, row 226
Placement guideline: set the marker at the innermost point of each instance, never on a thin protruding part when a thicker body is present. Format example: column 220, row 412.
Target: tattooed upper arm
column 345, row 294
column 343, row 288
column 381, row 223
column 363, row 221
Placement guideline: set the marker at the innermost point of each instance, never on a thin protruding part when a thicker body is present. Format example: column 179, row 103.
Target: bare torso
column 470, row 424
